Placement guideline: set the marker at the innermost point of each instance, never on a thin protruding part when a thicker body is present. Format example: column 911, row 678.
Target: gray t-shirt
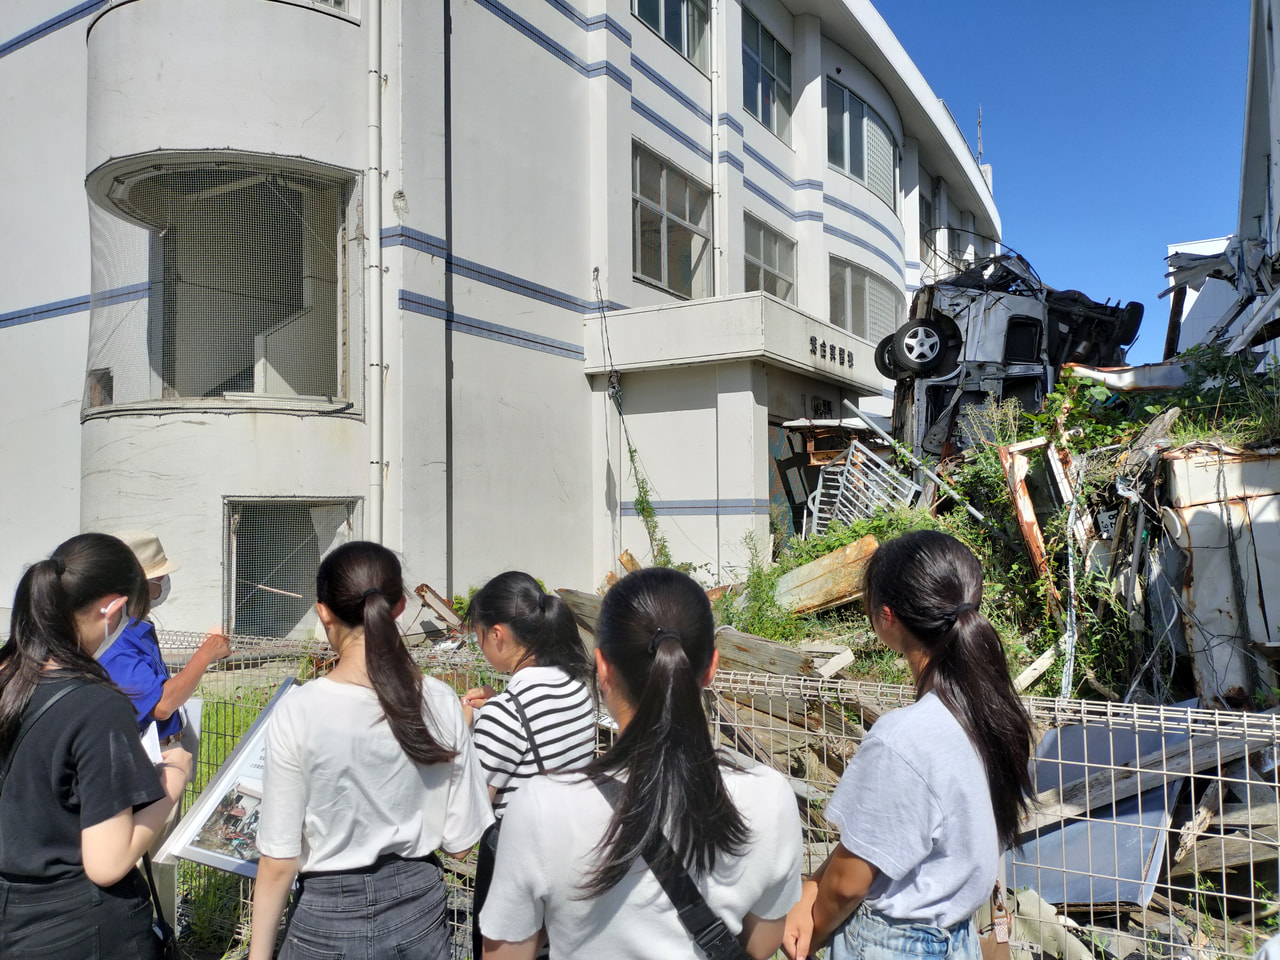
column 914, row 802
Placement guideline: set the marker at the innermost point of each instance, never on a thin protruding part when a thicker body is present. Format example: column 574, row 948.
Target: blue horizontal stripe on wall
column 671, row 131
column 599, row 22
column 49, row 26
column 731, row 122
column 666, row 85
column 913, row 265
column 416, row 240
column 561, row 53
column 709, row 508
column 864, row 216
column 431, row 307
column 62, row 308
column 731, row 160
column 871, row 247
column 779, row 205
column 777, row 172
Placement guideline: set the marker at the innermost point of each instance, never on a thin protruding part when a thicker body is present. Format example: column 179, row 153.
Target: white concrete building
column 283, row 272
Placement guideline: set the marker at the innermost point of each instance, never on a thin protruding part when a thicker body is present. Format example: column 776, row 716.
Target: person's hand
column 798, row 932
column 175, row 770
column 477, row 697
column 216, row 646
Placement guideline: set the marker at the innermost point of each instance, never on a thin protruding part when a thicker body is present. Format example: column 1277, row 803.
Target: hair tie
column 542, row 603
column 364, row 597
column 662, row 633
column 59, row 568
column 961, row 608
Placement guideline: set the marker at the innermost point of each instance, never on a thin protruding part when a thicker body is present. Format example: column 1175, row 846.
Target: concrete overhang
column 857, row 27
column 747, row 326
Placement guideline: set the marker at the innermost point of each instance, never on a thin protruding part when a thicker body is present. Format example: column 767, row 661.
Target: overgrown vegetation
column 659, row 552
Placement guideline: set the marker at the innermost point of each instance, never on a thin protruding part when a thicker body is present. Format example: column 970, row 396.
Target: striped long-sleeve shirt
column 561, row 715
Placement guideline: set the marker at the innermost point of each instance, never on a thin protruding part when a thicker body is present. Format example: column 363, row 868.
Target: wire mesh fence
column 1154, row 832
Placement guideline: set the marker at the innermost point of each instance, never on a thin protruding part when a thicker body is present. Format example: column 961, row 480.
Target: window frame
column 848, row 97
column 700, row 56
column 762, row 73
column 767, row 234
column 661, row 209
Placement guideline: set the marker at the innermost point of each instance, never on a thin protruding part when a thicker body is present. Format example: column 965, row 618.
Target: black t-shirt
column 81, row 764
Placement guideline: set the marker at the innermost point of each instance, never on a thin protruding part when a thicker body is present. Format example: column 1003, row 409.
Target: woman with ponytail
column 936, row 790
column 369, row 770
column 575, row 850
column 80, row 801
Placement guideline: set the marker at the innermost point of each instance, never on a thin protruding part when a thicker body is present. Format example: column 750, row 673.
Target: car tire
column 1130, row 322
column 885, row 359
column 919, row 347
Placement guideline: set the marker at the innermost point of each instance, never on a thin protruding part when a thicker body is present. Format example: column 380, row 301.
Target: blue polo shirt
column 135, row 666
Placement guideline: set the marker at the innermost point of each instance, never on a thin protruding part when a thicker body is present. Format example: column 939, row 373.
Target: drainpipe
column 718, row 218
column 373, row 287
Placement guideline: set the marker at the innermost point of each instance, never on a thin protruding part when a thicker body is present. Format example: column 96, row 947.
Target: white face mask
column 164, row 592
column 110, row 636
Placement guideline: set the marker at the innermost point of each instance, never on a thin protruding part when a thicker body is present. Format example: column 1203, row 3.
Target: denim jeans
column 395, row 910
column 75, row 919
column 869, row 935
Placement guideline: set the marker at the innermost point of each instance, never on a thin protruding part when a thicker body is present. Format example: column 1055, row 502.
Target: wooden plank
column 827, row 582
column 835, row 664
column 1127, row 780
column 1022, row 446
column 1225, row 853
column 742, row 651
column 629, row 562
column 585, row 606
column 1034, row 672
column 1191, row 830
column 438, row 605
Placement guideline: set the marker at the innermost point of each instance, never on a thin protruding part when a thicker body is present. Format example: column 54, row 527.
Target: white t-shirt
column 914, row 802
column 547, row 847
column 562, row 717
column 339, row 791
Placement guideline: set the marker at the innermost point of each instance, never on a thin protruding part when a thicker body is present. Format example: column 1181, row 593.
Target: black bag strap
column 28, row 722
column 528, row 733
column 164, row 930
column 699, row 920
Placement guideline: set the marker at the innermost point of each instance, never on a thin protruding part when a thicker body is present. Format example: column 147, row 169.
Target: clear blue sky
column 1114, row 128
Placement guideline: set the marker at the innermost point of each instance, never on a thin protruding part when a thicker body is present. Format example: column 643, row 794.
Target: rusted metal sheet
column 827, row 582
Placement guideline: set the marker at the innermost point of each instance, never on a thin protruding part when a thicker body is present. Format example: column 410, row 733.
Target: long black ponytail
column 933, row 584
column 542, row 622
column 657, row 632
column 361, row 583
column 42, row 627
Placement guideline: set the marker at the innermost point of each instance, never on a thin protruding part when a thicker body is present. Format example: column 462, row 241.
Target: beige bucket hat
column 147, row 548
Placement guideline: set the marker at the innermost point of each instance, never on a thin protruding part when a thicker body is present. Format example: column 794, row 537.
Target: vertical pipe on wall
column 718, row 213
column 376, row 381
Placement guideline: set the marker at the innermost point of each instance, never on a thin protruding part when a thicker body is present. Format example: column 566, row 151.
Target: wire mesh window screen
column 223, row 280
column 273, row 550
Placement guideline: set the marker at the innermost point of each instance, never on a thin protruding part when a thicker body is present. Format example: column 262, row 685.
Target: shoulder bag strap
column 699, row 920
column 528, row 733
column 29, row 722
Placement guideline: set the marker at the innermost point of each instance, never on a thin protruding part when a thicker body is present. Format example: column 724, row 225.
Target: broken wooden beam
column 585, row 606
column 438, row 605
column 827, row 582
column 629, row 562
column 742, row 651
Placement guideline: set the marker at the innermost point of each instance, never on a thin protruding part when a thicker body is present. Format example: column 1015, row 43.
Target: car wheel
column 1130, row 321
column 885, row 359
column 919, row 346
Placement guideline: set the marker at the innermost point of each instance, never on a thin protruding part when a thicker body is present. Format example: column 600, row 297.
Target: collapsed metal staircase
column 854, row 485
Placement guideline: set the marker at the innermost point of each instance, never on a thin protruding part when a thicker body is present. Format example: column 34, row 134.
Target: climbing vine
column 658, row 548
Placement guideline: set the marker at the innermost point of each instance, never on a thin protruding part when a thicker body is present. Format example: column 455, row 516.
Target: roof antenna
column 979, row 133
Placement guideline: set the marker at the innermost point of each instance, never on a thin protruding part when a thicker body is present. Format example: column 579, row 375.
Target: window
column 221, row 280
column 682, row 23
column 926, row 222
column 866, row 305
column 860, row 144
column 766, row 77
column 672, row 223
column 274, row 548
column 770, row 261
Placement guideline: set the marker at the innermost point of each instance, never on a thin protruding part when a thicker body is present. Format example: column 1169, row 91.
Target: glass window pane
column 698, row 50
column 750, row 86
column 787, row 258
column 766, row 54
column 649, row 173
column 838, row 296
column 770, row 250
column 782, row 108
column 649, row 11
column 699, row 206
column 750, row 33
column 752, row 278
column 858, row 303
column 648, row 243
column 677, row 195
column 673, row 23
column 835, row 125
column 680, row 250
column 782, row 64
column 766, row 101
column 753, row 240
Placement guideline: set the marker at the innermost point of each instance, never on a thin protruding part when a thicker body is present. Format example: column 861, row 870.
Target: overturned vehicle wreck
column 993, row 329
